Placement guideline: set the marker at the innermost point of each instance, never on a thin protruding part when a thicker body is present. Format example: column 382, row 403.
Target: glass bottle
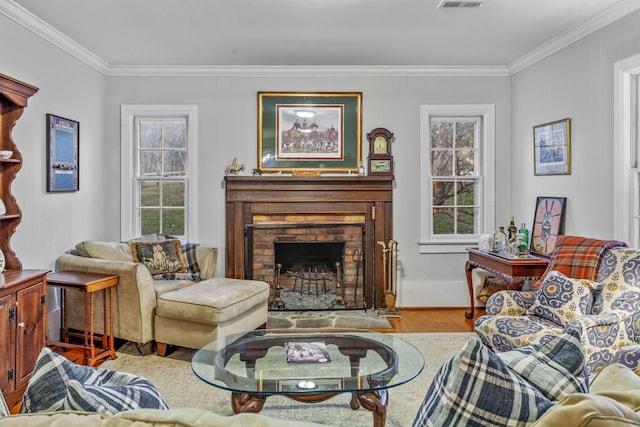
column 523, row 238
column 512, row 229
column 501, row 241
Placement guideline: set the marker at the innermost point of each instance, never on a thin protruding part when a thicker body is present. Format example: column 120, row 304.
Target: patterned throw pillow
column 162, row 256
column 561, row 298
column 481, row 388
column 59, row 384
column 189, row 255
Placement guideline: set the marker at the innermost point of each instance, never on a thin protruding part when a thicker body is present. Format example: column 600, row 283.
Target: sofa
column 168, row 292
column 590, row 285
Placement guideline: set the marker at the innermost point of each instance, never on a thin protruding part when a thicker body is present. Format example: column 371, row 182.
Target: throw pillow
column 162, row 256
column 617, row 296
column 189, row 255
column 56, row 385
column 561, row 298
column 555, row 368
column 476, row 388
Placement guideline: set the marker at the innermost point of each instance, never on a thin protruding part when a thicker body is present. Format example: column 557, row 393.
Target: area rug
column 173, row 376
column 348, row 319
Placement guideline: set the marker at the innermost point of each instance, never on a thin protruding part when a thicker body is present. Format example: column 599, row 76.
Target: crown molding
column 619, row 10
column 34, row 24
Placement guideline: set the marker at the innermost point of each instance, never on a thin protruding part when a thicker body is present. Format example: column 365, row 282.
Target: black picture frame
column 548, row 224
column 552, row 148
column 63, row 154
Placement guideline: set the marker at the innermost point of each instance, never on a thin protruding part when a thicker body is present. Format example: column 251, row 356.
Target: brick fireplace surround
column 331, row 199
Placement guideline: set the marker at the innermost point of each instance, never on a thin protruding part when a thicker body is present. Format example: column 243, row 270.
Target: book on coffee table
column 307, row 352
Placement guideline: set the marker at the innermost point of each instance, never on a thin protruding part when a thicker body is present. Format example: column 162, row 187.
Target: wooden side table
column 514, row 270
column 89, row 284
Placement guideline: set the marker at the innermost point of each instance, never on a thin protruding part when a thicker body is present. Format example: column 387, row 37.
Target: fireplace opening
column 309, row 266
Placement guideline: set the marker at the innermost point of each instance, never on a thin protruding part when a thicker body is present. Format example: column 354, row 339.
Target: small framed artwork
column 381, row 166
column 309, row 131
column 552, row 148
column 548, row 224
column 63, row 157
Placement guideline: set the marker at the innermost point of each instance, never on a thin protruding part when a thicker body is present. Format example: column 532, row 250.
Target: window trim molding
column 623, row 176
column 487, row 181
column 128, row 114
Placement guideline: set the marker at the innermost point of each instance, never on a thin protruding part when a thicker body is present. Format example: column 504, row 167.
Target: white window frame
column 430, row 243
column 626, row 178
column 128, row 158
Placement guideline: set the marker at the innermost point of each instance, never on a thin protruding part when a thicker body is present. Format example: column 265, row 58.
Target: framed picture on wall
column 309, row 131
column 63, row 157
column 552, row 148
column 548, row 224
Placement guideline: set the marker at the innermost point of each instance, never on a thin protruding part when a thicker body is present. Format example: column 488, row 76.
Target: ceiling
column 312, row 33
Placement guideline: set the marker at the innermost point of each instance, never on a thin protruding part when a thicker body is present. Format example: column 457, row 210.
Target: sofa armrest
column 510, row 303
column 207, row 258
column 134, row 297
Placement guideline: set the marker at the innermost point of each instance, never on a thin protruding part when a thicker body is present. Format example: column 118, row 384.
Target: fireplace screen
column 309, row 266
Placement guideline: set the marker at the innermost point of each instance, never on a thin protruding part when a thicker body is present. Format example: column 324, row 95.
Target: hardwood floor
column 432, row 320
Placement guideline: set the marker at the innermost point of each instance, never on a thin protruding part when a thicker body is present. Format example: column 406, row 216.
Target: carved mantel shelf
column 368, row 196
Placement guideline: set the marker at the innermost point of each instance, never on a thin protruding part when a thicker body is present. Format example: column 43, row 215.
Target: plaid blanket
column 577, row 257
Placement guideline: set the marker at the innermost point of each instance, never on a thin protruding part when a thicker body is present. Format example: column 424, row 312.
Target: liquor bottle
column 501, row 243
column 512, row 229
column 523, row 239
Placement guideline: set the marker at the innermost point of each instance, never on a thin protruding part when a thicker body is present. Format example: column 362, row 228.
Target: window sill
column 446, row 247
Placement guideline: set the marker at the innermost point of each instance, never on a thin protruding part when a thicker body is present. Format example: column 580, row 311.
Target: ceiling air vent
column 448, row 4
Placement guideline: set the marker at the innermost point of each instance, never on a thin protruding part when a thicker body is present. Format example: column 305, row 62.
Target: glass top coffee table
column 309, row 366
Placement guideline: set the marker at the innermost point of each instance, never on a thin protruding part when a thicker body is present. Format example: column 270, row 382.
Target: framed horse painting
column 309, row 131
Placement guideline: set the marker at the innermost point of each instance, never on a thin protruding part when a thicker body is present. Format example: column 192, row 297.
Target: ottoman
column 196, row 315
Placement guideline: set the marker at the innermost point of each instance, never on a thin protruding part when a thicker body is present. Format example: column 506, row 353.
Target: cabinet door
column 7, row 352
column 30, row 331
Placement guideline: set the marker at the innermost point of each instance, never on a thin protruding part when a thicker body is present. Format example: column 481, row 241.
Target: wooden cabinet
column 22, row 292
column 22, row 329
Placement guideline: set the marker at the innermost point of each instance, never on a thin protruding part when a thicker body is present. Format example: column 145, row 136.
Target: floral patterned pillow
column 561, row 298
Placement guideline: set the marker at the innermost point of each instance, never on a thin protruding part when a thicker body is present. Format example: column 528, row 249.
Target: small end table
column 88, row 284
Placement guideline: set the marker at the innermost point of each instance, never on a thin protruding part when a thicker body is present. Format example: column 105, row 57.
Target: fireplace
column 364, row 202
column 309, row 265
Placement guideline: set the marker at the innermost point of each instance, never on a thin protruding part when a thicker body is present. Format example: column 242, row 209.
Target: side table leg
column 472, row 310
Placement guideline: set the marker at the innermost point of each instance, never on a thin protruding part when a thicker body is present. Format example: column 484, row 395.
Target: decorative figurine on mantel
column 234, row 168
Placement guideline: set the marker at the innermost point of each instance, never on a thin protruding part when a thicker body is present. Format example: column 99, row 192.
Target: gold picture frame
column 552, row 148
column 319, row 131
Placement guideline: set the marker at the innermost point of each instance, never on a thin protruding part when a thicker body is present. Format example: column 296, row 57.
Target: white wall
column 576, row 82
column 228, row 129
column 54, row 222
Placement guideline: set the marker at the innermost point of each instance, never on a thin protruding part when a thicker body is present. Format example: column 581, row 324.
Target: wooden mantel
column 368, row 196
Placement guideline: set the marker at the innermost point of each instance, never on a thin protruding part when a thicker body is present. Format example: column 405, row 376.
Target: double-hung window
column 456, row 152
column 157, row 145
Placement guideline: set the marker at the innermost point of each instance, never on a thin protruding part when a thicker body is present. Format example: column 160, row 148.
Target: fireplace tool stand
column 390, row 269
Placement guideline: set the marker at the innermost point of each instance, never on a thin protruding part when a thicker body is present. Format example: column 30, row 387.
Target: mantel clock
column 380, row 158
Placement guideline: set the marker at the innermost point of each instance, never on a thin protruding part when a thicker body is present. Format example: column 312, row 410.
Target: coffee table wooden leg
column 247, row 402
column 374, row 401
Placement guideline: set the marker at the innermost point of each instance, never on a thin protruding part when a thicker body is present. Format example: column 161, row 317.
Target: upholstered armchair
column 606, row 311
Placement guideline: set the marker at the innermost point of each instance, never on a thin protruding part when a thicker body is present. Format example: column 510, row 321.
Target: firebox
column 309, row 266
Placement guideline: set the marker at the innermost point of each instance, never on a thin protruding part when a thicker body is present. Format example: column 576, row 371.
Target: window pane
column 441, row 134
column 466, row 221
column 173, row 193
column 465, row 162
column 173, row 221
column 466, row 193
column 442, row 163
column 150, row 134
column 150, row 163
column 175, row 134
column 443, row 221
column 149, row 221
column 150, row 194
column 465, row 134
column 175, row 163
column 443, row 193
